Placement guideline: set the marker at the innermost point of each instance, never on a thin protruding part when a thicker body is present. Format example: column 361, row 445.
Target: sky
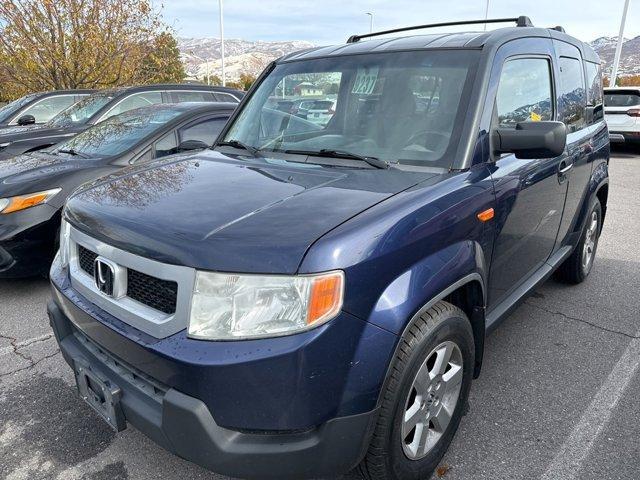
column 332, row 21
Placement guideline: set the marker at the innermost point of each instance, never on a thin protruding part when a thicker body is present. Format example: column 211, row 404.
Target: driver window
column 46, row 109
column 137, row 100
column 524, row 92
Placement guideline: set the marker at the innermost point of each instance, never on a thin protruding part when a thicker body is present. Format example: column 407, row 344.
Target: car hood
column 213, row 212
column 38, row 171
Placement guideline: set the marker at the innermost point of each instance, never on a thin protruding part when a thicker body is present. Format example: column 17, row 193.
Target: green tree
column 161, row 63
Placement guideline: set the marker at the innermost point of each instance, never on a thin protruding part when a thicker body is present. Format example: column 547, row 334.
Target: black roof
column 460, row 40
column 170, row 86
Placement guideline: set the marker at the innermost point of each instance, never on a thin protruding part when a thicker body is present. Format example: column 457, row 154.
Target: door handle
column 565, row 167
column 563, row 170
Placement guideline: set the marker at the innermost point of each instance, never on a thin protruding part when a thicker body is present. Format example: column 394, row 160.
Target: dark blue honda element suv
column 313, row 294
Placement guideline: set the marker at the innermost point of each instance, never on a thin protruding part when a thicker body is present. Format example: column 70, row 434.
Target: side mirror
column 189, row 145
column 532, row 139
column 26, row 120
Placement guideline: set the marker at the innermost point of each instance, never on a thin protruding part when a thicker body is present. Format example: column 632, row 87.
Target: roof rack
column 558, row 28
column 521, row 21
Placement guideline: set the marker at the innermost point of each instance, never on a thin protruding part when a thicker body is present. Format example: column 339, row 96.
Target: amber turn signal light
column 486, row 215
column 326, row 297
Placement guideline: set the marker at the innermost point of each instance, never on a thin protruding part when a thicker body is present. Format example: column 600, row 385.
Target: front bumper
column 252, row 411
column 27, row 241
column 184, row 425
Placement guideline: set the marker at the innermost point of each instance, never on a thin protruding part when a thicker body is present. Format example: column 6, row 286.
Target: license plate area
column 100, row 394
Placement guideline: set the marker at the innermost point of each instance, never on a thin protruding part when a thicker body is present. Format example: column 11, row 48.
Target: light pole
column 224, row 78
column 206, row 66
column 616, row 59
column 370, row 21
column 486, row 14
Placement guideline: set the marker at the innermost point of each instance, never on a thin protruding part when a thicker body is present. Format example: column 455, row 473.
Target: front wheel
column 578, row 266
column 424, row 397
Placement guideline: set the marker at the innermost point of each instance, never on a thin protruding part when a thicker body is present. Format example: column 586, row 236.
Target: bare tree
column 56, row 44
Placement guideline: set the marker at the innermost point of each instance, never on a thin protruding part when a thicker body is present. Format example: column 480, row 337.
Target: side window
column 180, row 96
column 167, row 145
column 225, row 97
column 47, row 108
column 206, row 131
column 136, row 100
column 524, row 92
column 594, row 90
column 572, row 98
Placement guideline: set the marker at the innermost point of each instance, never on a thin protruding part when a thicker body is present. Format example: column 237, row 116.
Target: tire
column 443, row 326
column 574, row 270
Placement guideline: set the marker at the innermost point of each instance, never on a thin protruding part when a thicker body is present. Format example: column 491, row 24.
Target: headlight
column 232, row 307
column 65, row 232
column 22, row 202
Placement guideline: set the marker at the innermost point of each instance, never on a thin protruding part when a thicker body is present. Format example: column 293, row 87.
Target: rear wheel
column 424, row 397
column 578, row 266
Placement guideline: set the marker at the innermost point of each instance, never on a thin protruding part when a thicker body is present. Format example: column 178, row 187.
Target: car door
column 530, row 193
column 572, row 110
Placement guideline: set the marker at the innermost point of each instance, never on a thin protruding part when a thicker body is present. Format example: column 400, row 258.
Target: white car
column 622, row 114
column 321, row 111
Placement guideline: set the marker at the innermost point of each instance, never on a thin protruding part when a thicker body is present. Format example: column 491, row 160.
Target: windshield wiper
column 329, row 152
column 243, row 146
column 72, row 152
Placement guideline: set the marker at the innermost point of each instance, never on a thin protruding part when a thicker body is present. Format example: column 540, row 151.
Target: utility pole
column 224, row 79
column 616, row 59
column 370, row 21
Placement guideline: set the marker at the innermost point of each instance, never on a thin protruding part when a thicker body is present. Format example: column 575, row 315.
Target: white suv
column 622, row 113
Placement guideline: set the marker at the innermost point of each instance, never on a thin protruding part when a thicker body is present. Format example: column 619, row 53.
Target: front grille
column 86, row 258
column 151, row 291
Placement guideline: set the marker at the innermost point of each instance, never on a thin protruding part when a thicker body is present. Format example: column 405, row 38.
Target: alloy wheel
column 590, row 240
column 432, row 400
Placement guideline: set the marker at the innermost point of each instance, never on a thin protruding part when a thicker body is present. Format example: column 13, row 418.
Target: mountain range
column 251, row 57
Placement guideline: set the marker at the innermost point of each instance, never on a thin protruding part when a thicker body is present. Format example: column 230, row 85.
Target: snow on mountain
column 241, row 56
column 629, row 59
column 244, row 56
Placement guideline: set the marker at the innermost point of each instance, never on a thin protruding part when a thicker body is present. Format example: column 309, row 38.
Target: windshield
column 117, row 134
column 399, row 107
column 10, row 108
column 82, row 111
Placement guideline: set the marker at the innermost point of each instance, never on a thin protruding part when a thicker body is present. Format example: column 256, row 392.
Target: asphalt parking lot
column 559, row 396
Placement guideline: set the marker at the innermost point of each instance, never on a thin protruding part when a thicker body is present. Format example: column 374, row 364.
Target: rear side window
column 181, row 96
column 572, row 98
column 594, row 84
column 524, row 92
column 621, row 98
column 225, row 97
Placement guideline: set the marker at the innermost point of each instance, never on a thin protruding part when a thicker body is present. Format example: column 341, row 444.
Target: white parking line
column 567, row 463
column 24, row 343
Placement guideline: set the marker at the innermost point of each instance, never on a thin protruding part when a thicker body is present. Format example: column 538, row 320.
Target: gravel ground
column 558, row 397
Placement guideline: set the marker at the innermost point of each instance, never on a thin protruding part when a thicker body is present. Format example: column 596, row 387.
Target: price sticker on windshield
column 365, row 81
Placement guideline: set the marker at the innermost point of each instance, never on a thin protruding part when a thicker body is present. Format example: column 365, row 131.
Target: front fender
column 426, row 282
